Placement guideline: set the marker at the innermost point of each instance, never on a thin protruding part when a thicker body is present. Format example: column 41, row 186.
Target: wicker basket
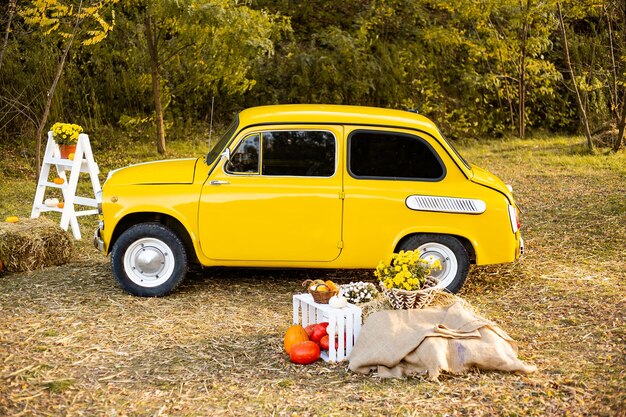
column 404, row 300
column 320, row 297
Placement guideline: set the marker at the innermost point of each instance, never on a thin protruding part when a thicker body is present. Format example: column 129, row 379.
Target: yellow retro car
column 307, row 186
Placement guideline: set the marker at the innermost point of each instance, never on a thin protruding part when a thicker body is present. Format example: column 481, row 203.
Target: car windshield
column 221, row 144
column 455, row 151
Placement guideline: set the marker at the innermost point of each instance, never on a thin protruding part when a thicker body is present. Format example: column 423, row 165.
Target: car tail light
column 514, row 217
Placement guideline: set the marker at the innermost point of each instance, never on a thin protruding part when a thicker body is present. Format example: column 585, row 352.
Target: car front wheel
column 450, row 253
column 149, row 260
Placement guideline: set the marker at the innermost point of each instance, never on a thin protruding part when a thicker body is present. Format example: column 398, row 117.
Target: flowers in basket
column 359, row 292
column 406, row 280
column 66, row 133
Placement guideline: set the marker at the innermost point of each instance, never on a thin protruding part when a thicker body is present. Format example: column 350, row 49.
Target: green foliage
column 95, row 19
column 459, row 62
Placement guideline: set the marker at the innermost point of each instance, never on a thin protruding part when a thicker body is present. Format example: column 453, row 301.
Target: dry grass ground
column 72, row 343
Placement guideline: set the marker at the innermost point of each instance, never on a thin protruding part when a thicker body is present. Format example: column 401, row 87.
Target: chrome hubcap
column 149, row 262
column 433, row 252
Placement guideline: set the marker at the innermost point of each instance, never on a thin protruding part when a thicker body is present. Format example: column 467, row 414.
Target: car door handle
column 219, row 182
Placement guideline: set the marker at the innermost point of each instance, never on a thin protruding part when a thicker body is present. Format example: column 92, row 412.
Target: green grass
column 72, row 343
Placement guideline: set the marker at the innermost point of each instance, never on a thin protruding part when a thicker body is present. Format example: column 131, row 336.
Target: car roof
column 335, row 114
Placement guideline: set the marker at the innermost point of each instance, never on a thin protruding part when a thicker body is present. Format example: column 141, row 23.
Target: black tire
column 451, row 253
column 149, row 260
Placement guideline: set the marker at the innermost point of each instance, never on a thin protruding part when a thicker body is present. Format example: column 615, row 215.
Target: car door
column 384, row 167
column 277, row 199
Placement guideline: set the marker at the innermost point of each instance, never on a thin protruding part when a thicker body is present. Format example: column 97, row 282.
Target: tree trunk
column 508, row 94
column 155, row 68
column 11, row 11
column 618, row 117
column 613, row 91
column 522, row 73
column 581, row 107
column 522, row 102
column 619, row 140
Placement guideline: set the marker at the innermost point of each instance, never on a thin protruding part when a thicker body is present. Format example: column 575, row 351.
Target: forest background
column 165, row 69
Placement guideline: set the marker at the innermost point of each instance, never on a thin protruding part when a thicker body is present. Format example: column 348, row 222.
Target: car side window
column 245, row 159
column 304, row 153
column 391, row 155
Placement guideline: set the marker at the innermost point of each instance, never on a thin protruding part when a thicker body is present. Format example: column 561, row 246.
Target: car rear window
column 390, row 155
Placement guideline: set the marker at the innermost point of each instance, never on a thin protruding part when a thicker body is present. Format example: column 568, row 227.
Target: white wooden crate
column 341, row 321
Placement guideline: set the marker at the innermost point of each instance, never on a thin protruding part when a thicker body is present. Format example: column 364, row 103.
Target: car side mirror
column 226, row 154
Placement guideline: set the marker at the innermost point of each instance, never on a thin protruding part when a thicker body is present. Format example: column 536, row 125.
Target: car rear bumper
column 520, row 248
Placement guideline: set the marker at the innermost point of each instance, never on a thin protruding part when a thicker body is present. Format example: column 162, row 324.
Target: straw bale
column 33, row 244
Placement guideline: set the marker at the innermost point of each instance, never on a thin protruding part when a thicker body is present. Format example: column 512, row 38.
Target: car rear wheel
column 449, row 251
column 149, row 260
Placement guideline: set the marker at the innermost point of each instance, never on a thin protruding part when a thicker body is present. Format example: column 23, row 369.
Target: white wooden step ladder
column 83, row 161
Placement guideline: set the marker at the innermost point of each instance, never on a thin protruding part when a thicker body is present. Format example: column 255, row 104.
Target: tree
column 87, row 21
column 595, row 55
column 615, row 13
column 10, row 13
column 206, row 44
column 583, row 112
column 517, row 35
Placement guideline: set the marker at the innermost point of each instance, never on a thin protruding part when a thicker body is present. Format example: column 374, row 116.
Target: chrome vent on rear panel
column 445, row 204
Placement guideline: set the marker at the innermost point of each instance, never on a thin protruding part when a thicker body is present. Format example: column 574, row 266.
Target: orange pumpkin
column 294, row 335
column 58, row 181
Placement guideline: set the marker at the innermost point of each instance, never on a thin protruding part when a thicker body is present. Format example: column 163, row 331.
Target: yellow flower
column 66, row 133
column 436, row 265
column 405, row 270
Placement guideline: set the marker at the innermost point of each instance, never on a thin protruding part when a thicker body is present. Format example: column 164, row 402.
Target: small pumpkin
column 331, row 285
column 304, row 353
column 12, row 219
column 51, row 202
column 322, row 288
column 61, row 205
column 58, row 181
column 338, row 301
column 294, row 335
